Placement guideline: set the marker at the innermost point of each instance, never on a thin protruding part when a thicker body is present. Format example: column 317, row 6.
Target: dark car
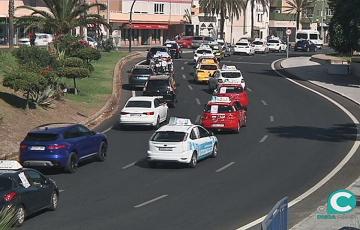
column 305, row 45
column 25, row 191
column 139, row 75
column 161, row 85
column 153, row 50
column 61, row 145
column 174, row 49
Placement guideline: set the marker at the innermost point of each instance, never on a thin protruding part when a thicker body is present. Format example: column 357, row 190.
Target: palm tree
column 297, row 7
column 187, row 16
column 264, row 4
column 62, row 16
column 11, row 23
column 223, row 8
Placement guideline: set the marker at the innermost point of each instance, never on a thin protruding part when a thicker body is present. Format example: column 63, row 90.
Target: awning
column 143, row 26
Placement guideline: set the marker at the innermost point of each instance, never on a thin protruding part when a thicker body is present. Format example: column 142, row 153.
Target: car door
column 28, row 193
column 43, row 190
column 161, row 108
column 241, row 112
column 90, row 139
column 206, row 141
column 78, row 141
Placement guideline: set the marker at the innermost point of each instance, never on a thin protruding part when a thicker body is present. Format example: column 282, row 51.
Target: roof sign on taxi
column 10, row 165
column 220, row 99
column 179, row 121
column 229, row 67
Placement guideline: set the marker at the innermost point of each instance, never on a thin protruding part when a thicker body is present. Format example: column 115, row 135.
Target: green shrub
column 7, row 219
column 70, row 44
column 89, row 54
column 108, row 45
column 73, row 72
column 34, row 56
column 72, row 62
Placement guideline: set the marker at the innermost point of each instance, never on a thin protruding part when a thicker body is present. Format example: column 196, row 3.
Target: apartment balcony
column 282, row 17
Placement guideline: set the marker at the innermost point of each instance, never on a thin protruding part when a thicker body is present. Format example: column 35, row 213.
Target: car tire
column 19, row 216
column 102, row 151
column 54, row 201
column 193, row 161
column 157, row 125
column 72, row 163
column 215, row 151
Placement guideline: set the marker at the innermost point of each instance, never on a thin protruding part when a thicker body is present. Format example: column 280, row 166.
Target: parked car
column 305, row 45
column 41, row 39
column 161, row 85
column 153, row 50
column 185, row 42
column 25, row 191
column 174, row 49
column 144, row 111
column 61, row 145
column 139, row 75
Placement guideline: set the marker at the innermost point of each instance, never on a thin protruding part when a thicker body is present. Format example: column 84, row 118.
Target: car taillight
column 149, row 113
column 57, row 146
column 124, row 113
column 23, row 147
column 10, row 196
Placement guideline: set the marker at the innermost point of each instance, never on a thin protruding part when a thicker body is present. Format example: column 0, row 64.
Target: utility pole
column 11, row 23
column 108, row 18
column 130, row 25
column 322, row 20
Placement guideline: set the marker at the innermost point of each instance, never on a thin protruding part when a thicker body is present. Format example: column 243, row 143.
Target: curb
column 110, row 105
column 339, row 93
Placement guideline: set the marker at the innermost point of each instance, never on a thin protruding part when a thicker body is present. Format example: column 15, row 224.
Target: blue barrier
column 277, row 218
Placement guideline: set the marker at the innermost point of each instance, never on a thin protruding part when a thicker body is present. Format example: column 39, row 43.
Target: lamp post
column 130, row 24
column 11, row 23
column 322, row 20
column 108, row 18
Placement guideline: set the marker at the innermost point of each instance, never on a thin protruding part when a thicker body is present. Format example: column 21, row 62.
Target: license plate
column 218, row 125
column 165, row 149
column 135, row 115
column 37, row 148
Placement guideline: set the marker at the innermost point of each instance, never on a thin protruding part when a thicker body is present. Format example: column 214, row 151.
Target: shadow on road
column 143, row 163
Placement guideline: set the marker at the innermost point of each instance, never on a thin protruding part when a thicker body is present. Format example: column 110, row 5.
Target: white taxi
column 203, row 50
column 244, row 47
column 260, row 46
column 228, row 75
column 183, row 142
column 144, row 111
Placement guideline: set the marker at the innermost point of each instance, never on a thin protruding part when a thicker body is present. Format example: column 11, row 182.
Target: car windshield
column 273, row 41
column 301, row 36
column 203, row 52
column 169, row 136
column 241, row 44
column 41, row 137
column 231, row 74
column 5, row 184
column 198, row 38
column 142, row 71
column 208, row 67
column 158, row 49
column 219, row 109
column 138, row 104
column 154, row 85
column 230, row 89
column 313, row 36
column 258, row 43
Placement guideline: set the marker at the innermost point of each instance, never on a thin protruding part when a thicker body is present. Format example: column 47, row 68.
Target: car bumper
column 220, row 125
column 44, row 160
column 184, row 157
column 137, row 121
column 202, row 77
column 243, row 51
column 260, row 50
column 275, row 48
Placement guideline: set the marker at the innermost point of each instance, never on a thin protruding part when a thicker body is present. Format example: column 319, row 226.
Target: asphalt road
column 292, row 140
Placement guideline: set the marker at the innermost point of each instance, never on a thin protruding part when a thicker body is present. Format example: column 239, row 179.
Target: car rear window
column 138, row 104
column 169, row 136
column 242, row 44
column 231, row 74
column 142, row 71
column 155, row 50
column 219, row 109
column 209, row 39
column 5, row 184
column 198, row 38
column 41, row 137
column 258, row 43
column 313, row 36
column 208, row 67
column 153, row 85
column 301, row 36
column 203, row 52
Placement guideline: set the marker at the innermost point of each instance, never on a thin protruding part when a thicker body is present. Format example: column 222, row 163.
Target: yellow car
column 205, row 71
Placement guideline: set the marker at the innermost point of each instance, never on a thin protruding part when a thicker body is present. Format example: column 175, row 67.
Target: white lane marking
column 264, row 139
column 248, row 63
column 107, row 130
column 182, row 68
column 224, row 167
column 333, row 172
column 150, row 201
column 186, row 62
column 264, row 102
column 190, row 87
column 61, row 190
column 129, row 165
column 197, row 121
column 248, row 89
column 140, row 62
column 133, row 93
column 198, row 101
column 272, row 118
column 184, row 76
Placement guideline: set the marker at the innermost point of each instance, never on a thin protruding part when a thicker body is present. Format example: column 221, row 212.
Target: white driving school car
column 227, row 75
column 181, row 141
column 150, row 111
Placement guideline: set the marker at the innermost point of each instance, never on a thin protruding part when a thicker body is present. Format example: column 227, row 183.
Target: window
column 203, row 132
column 5, row 184
column 169, row 136
column 313, row 36
column 138, row 104
column 41, row 137
column 156, row 103
column 260, row 17
column 72, row 133
column 158, row 8
column 193, row 135
column 35, row 178
column 329, row 12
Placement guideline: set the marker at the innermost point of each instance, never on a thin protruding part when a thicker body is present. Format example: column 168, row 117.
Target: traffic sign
column 288, row 32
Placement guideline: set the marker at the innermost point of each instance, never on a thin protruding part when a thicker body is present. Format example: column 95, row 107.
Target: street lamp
column 130, row 24
column 108, row 18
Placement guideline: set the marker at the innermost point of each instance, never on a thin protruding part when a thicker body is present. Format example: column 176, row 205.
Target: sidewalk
column 316, row 73
column 349, row 87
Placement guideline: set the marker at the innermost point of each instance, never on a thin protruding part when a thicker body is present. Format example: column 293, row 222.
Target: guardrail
column 277, row 218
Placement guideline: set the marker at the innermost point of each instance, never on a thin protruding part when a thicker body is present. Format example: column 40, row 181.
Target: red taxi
column 234, row 91
column 223, row 114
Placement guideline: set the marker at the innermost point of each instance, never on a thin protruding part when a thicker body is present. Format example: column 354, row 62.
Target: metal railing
column 277, row 218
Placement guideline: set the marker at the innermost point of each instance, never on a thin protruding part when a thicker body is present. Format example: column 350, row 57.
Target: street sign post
column 288, row 33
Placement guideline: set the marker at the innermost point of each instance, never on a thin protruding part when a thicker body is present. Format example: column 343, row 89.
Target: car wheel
column 193, row 161
column 215, row 151
column 19, row 216
column 102, row 151
column 157, row 126
column 54, row 201
column 72, row 164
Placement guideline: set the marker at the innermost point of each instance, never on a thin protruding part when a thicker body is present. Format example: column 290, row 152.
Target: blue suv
column 61, row 145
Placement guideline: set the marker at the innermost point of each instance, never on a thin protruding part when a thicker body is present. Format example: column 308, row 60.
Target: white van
column 312, row 35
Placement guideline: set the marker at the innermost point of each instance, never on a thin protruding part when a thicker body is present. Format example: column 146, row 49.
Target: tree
column 264, row 3
column 222, row 8
column 344, row 27
column 11, row 23
column 297, row 7
column 62, row 17
column 187, row 16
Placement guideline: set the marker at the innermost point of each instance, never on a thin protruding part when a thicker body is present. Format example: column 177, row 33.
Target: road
column 292, row 140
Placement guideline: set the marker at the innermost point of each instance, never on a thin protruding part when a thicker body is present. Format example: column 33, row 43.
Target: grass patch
column 95, row 89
